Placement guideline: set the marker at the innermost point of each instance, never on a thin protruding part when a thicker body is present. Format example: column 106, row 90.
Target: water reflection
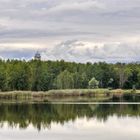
column 126, row 98
column 42, row 116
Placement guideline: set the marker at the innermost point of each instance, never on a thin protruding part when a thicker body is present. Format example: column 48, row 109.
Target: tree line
column 38, row 75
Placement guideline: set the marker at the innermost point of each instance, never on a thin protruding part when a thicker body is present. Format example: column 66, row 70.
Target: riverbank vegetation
column 53, row 95
column 47, row 75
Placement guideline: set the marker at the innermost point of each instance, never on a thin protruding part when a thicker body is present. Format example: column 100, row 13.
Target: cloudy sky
column 74, row 30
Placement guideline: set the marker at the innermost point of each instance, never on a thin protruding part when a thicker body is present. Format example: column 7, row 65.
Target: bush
column 93, row 83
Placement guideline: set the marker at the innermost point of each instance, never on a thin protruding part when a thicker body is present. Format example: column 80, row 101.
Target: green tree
column 123, row 73
column 65, row 80
column 2, row 79
column 36, row 75
column 18, row 76
column 93, row 83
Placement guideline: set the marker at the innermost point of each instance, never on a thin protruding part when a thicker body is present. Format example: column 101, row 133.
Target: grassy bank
column 90, row 92
column 64, row 93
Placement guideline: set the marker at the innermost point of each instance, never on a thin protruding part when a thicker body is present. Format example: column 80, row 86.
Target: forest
column 36, row 75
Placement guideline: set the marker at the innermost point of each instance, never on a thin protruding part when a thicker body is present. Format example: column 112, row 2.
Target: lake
column 69, row 121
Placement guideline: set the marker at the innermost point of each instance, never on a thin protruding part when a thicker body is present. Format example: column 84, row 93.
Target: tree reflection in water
column 42, row 115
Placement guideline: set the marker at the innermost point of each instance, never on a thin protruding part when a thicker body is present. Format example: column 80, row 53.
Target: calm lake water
column 69, row 121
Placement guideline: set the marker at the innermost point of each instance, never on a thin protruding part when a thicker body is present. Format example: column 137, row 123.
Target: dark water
column 70, row 121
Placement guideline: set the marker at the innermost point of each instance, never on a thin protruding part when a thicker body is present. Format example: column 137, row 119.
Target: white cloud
column 80, row 51
column 19, row 50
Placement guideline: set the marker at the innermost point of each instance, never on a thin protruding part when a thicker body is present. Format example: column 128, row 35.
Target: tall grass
column 68, row 92
column 77, row 92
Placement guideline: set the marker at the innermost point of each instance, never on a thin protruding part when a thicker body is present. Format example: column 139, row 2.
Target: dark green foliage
column 2, row 79
column 18, row 75
column 36, row 75
column 45, row 75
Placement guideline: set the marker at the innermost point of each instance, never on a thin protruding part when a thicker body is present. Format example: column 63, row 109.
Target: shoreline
column 66, row 95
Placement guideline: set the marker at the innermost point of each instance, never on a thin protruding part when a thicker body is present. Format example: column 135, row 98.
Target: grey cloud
column 107, row 21
column 38, row 33
column 103, row 17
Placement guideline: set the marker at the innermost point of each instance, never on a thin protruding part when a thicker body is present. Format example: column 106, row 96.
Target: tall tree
column 65, row 80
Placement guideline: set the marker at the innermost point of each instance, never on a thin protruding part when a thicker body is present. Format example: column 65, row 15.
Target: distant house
column 37, row 56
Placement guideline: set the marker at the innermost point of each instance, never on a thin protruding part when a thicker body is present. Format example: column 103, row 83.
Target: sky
column 73, row 30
